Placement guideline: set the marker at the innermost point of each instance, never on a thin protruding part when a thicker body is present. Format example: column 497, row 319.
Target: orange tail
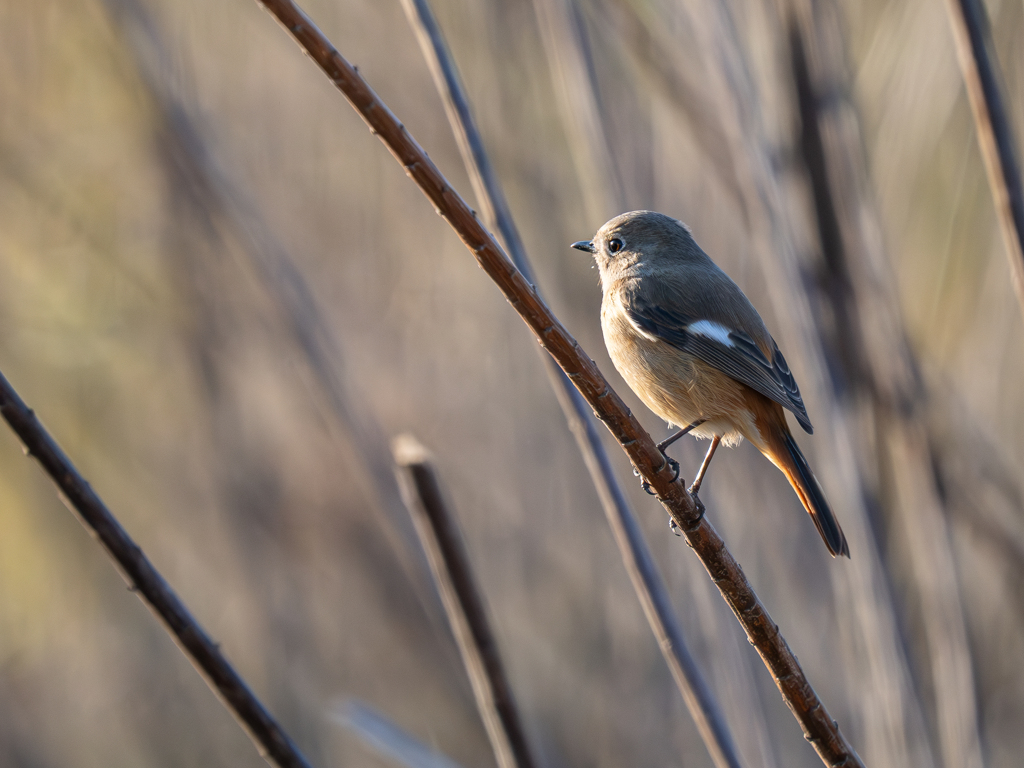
column 784, row 453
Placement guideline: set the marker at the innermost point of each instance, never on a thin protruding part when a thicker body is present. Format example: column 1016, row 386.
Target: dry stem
column 270, row 739
column 992, row 120
column 463, row 603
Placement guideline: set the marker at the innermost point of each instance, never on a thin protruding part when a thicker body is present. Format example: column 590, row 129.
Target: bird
column 689, row 343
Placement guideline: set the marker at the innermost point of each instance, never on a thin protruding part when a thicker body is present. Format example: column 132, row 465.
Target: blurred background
column 224, row 299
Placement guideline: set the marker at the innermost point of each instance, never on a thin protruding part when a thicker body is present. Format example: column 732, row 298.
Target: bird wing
column 731, row 351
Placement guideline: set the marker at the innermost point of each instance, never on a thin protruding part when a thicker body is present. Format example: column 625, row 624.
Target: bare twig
column 818, row 726
column 636, row 555
column 992, row 120
column 453, row 574
column 270, row 739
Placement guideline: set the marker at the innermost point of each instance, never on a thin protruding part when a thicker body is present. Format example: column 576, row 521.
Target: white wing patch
column 711, row 330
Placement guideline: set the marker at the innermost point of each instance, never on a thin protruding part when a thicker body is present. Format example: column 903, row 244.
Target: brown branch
column 817, row 724
column 636, row 556
column 463, row 603
column 270, row 739
column 980, row 68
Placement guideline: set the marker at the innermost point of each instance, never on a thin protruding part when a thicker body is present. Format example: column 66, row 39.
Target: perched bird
column 693, row 348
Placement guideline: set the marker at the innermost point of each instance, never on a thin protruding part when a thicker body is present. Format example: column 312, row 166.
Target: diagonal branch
column 272, row 742
column 992, row 119
column 643, row 573
column 463, row 602
column 817, row 724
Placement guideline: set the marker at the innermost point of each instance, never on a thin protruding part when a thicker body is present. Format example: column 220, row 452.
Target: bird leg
column 704, row 465
column 696, row 487
column 667, row 442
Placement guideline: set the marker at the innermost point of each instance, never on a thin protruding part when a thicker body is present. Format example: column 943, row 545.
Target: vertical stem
column 974, row 49
column 463, row 603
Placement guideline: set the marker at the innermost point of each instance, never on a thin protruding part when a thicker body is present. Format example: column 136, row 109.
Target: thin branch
column 463, row 603
column 974, row 49
column 270, row 739
column 818, row 726
column 643, row 573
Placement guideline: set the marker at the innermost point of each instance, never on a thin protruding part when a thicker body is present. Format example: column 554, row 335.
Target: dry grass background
column 162, row 165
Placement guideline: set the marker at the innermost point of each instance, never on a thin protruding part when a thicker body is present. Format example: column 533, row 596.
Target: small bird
column 691, row 345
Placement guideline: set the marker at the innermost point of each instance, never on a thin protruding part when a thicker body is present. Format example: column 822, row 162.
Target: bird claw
column 647, row 486
column 699, row 505
column 674, row 526
column 643, row 483
column 675, row 467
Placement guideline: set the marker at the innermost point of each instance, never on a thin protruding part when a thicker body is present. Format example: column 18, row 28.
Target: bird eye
column 615, row 245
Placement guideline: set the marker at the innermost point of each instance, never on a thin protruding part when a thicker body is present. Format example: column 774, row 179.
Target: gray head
column 642, row 242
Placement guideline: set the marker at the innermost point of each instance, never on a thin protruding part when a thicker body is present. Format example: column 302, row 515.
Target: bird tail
column 791, row 461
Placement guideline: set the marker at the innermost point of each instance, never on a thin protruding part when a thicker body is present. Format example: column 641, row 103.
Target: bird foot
column 699, row 505
column 647, row 486
column 674, row 527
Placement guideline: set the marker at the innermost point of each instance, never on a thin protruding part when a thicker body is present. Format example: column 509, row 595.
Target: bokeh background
column 224, row 298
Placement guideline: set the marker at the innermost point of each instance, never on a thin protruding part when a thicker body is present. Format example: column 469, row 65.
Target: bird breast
column 677, row 386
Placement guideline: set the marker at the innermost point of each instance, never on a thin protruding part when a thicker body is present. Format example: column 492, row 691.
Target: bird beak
column 585, row 245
